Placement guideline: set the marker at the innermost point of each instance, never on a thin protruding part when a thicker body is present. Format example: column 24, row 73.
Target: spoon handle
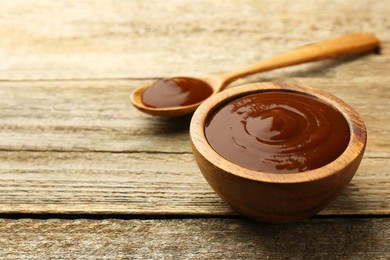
column 351, row 44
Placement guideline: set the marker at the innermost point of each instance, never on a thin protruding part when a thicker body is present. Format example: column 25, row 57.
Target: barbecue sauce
column 278, row 132
column 176, row 92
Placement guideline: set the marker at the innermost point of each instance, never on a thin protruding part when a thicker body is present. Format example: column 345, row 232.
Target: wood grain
column 194, row 239
column 147, row 183
column 131, row 39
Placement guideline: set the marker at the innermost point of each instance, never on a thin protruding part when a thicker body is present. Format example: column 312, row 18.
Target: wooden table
column 83, row 174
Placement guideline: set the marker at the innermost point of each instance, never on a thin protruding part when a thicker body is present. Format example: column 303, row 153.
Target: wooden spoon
column 352, row 44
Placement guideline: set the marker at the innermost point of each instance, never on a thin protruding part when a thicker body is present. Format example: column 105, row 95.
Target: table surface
column 83, row 174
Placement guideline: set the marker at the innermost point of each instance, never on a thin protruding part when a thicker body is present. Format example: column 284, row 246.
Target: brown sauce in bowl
column 176, row 92
column 278, row 132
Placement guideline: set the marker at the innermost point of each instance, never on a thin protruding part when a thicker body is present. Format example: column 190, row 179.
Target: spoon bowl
column 351, row 44
column 215, row 82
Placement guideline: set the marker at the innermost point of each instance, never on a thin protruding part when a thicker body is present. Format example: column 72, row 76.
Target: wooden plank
column 147, row 183
column 130, row 39
column 97, row 115
column 79, row 116
column 194, row 239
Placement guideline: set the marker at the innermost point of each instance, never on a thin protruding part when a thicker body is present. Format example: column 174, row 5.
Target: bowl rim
column 355, row 148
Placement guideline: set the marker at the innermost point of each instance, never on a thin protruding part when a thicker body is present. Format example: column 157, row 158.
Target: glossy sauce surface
column 278, row 132
column 175, row 92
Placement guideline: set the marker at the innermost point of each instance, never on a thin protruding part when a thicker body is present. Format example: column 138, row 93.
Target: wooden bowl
column 276, row 197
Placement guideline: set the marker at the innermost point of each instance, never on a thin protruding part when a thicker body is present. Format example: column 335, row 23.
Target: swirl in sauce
column 278, row 132
column 175, row 92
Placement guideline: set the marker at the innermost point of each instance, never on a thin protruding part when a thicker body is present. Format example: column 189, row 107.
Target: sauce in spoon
column 175, row 92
